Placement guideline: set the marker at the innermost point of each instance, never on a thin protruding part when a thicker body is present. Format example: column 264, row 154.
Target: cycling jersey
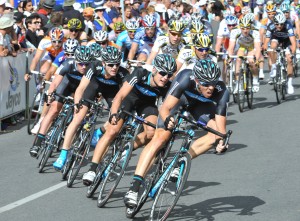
column 46, row 45
column 185, row 89
column 246, row 42
column 142, row 39
column 282, row 36
column 187, row 55
column 59, row 59
column 124, row 40
column 162, row 46
column 265, row 22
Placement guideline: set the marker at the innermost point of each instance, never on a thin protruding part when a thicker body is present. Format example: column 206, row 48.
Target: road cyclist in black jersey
column 106, row 78
column 206, row 97
column 139, row 92
column 67, row 79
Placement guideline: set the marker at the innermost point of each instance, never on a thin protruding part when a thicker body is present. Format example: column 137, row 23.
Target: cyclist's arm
column 218, row 44
column 123, row 92
column 36, row 59
column 133, row 50
column 50, row 72
column 297, row 24
column 166, row 107
column 151, row 57
column 231, row 47
column 266, row 42
column 221, row 123
column 83, row 38
column 84, row 82
column 257, row 50
column 294, row 44
column 262, row 34
column 56, row 81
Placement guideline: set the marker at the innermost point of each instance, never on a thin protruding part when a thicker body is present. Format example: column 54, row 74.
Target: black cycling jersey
column 282, row 36
column 140, row 80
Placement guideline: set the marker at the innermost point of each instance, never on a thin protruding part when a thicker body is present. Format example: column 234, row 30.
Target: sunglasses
column 149, row 28
column 245, row 28
column 101, row 42
column 112, row 65
column 8, row 9
column 286, row 12
column 132, row 31
column 56, row 42
column 118, row 32
column 37, row 22
column 82, row 64
column 74, row 30
column 207, row 84
column 231, row 25
column 260, row 4
column 277, row 24
column 162, row 73
column 203, row 49
column 69, row 54
column 271, row 13
column 175, row 34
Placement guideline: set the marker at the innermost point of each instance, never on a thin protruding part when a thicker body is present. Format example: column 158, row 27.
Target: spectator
column 127, row 3
column 56, row 20
column 8, row 8
column 114, row 12
column 27, row 8
column 145, row 4
column 7, row 45
column 135, row 8
column 20, row 29
column 101, row 10
column 100, row 22
column 70, row 12
column 216, row 8
column 2, row 7
column 203, row 9
column 45, row 10
column 31, row 24
column 20, row 6
column 127, row 13
column 88, row 14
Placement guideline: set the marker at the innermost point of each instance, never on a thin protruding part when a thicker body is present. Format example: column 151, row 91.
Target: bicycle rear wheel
column 34, row 111
column 278, row 85
column 170, row 191
column 249, row 92
column 241, row 95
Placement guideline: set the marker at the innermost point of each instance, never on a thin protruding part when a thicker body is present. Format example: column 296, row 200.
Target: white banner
column 12, row 84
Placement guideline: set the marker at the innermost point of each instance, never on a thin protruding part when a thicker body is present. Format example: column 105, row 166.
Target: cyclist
column 281, row 33
column 118, row 28
column 144, row 39
column 139, row 92
column 259, row 10
column 67, row 78
column 106, row 79
column 200, row 49
column 207, row 98
column 101, row 38
column 125, row 38
column 168, row 44
column 69, row 48
column 249, row 44
column 75, row 31
column 291, row 16
column 52, row 45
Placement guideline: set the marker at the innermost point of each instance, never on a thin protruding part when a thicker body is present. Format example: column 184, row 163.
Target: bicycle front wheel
column 242, row 87
column 34, row 111
column 249, row 88
column 278, row 85
column 170, row 190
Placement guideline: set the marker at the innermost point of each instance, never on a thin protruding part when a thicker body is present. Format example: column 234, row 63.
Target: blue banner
column 58, row 2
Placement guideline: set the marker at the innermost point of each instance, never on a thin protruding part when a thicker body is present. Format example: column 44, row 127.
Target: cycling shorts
column 66, row 88
column 48, row 57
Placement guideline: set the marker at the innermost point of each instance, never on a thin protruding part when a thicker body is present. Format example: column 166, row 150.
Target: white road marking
column 31, row 197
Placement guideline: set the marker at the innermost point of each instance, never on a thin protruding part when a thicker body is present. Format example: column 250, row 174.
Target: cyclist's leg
column 273, row 56
column 254, row 70
column 290, row 87
column 240, row 52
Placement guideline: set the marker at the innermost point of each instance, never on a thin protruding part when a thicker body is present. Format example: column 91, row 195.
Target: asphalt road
column 256, row 180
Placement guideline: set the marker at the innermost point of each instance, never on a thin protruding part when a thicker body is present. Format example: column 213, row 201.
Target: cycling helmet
column 285, row 7
column 119, row 26
column 201, row 40
column 70, row 46
column 100, row 36
column 260, row 2
column 197, row 26
column 83, row 54
column 111, row 55
column 195, row 16
column 246, row 10
column 245, row 22
column 74, row 23
column 165, row 63
column 95, row 50
column 250, row 16
column 176, row 15
column 270, row 7
column 56, row 34
column 149, row 21
column 88, row 12
column 278, row 2
column 279, row 18
column 231, row 20
column 206, row 71
column 176, row 25
column 132, row 24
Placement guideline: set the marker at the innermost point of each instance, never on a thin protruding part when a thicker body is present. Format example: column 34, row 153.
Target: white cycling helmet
column 100, row 35
column 279, row 18
column 260, row 2
column 70, row 46
column 250, row 16
column 246, row 10
column 132, row 24
column 231, row 20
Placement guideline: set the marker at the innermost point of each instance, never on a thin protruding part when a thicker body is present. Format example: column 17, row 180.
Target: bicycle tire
column 185, row 165
column 241, row 95
column 94, row 186
column 34, row 118
column 278, row 85
column 249, row 93
column 79, row 158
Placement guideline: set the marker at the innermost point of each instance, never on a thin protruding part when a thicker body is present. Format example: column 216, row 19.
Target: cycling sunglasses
column 74, row 30
column 101, row 42
column 207, row 84
column 231, row 25
column 132, row 31
column 149, row 28
column 69, row 54
column 56, row 42
column 162, row 73
column 277, row 24
column 112, row 65
column 82, row 63
column 203, row 49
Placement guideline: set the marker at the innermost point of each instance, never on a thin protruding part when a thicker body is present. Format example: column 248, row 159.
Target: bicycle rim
column 68, row 165
column 169, row 192
column 92, row 188
column 278, row 85
column 241, row 92
column 249, row 89
column 45, row 157
column 33, row 113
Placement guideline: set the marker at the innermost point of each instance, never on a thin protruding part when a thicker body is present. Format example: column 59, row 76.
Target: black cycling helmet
column 95, row 50
column 111, row 55
column 83, row 54
column 206, row 71
column 165, row 63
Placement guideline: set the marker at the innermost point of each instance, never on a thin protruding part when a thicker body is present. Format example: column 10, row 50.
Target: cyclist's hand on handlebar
column 27, row 76
column 77, row 107
column 169, row 123
column 220, row 147
column 114, row 118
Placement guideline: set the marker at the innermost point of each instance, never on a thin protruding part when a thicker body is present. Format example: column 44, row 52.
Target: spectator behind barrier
column 7, row 45
column 70, row 12
column 46, row 8
column 32, row 26
column 27, row 8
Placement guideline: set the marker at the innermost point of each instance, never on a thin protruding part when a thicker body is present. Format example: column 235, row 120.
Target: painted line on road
column 31, row 197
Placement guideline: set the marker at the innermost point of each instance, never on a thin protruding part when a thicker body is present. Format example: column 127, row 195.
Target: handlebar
column 138, row 118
